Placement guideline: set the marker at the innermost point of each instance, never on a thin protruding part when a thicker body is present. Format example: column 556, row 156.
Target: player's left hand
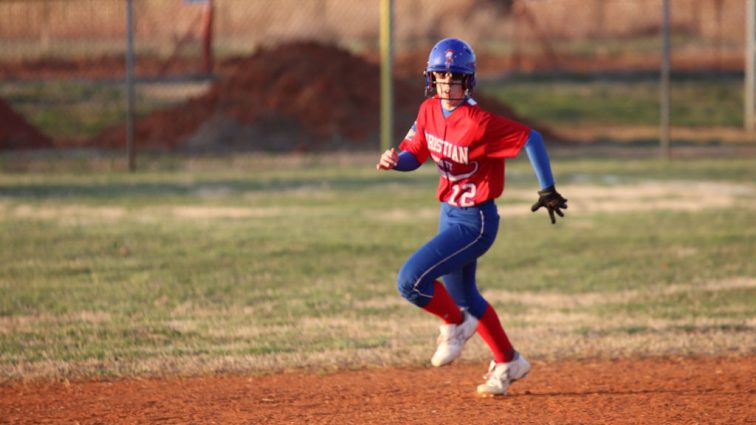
column 552, row 200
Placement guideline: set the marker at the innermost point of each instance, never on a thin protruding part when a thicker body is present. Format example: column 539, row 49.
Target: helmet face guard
column 451, row 55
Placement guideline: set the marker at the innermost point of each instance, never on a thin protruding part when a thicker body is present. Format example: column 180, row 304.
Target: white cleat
column 501, row 375
column 452, row 339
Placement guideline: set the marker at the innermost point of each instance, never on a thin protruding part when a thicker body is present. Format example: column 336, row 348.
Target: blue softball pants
column 464, row 234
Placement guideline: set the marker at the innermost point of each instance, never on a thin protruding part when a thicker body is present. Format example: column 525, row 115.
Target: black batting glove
column 552, row 200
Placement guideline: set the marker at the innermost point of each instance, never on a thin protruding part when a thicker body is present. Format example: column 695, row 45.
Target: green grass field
column 694, row 102
column 261, row 263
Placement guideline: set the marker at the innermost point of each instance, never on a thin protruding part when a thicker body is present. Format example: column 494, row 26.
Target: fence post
column 664, row 89
column 207, row 37
column 387, row 83
column 130, row 85
column 750, row 66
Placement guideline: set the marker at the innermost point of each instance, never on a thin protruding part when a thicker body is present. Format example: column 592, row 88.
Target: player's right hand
column 388, row 160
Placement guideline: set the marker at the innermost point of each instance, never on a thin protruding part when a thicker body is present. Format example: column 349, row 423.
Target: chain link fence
column 62, row 63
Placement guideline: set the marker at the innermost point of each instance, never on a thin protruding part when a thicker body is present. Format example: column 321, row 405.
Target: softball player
column 468, row 146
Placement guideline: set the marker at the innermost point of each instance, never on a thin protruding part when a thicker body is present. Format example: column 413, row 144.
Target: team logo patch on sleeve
column 411, row 133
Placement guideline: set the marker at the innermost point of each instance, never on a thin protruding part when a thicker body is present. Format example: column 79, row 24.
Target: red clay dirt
column 17, row 133
column 104, row 67
column 711, row 390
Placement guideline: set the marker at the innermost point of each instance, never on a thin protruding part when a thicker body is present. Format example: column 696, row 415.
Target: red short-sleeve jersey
column 469, row 147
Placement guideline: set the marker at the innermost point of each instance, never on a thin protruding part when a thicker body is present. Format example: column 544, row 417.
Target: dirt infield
column 647, row 390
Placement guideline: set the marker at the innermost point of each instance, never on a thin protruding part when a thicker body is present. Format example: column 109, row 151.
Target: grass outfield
column 701, row 102
column 258, row 263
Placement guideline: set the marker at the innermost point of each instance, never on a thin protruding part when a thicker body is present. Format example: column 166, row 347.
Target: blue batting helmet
column 451, row 55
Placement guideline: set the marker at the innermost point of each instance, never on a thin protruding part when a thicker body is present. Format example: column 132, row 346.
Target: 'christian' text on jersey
column 446, row 149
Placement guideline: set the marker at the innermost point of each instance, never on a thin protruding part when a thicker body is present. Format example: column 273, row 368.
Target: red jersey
column 469, row 147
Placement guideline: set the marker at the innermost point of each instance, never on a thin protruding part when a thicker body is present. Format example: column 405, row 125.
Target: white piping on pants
column 480, row 235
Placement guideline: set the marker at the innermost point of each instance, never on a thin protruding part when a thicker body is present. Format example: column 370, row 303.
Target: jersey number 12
column 463, row 195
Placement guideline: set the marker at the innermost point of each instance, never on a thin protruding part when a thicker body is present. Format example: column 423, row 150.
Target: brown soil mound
column 17, row 133
column 711, row 390
column 106, row 67
column 297, row 97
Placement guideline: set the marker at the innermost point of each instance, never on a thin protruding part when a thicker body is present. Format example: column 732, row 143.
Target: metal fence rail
column 62, row 63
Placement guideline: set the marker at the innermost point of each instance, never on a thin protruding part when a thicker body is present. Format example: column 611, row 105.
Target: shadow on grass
column 119, row 190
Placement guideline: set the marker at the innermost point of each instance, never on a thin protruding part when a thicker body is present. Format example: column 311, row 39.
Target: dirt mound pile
column 17, row 133
column 296, row 97
column 103, row 67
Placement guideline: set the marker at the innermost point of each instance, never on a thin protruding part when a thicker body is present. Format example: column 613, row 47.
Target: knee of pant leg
column 406, row 283
column 477, row 306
